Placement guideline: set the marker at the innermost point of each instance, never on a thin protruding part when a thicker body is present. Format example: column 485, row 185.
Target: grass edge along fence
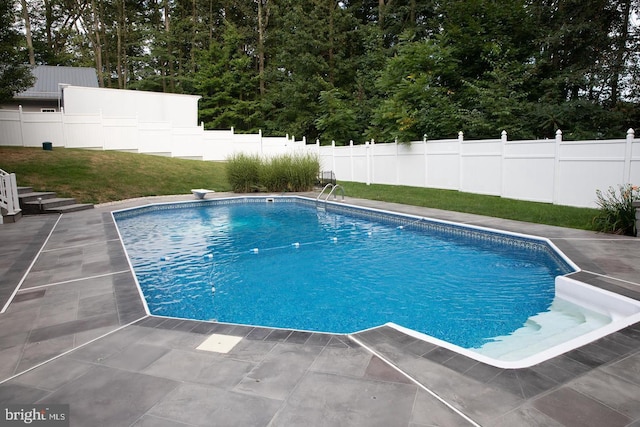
column 248, row 173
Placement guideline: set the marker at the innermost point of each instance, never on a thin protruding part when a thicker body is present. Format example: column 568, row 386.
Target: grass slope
column 103, row 176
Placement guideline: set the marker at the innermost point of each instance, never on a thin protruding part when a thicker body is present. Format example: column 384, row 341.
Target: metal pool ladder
column 333, row 188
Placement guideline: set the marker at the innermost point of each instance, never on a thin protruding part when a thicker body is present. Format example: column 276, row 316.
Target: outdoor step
column 36, row 206
column 70, row 208
column 34, row 195
column 24, row 190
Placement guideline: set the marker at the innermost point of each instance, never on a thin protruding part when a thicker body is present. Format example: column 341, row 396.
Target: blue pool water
column 289, row 264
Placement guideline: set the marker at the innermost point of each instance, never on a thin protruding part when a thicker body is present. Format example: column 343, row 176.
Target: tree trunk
column 263, row 21
column 27, row 27
column 167, row 30
column 97, row 44
column 621, row 50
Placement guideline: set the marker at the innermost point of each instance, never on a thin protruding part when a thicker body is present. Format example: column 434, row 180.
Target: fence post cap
column 631, row 131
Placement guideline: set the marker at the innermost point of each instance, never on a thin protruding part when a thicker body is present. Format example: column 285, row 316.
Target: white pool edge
column 623, row 312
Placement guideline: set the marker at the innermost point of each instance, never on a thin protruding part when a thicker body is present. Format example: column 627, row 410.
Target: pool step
column 562, row 323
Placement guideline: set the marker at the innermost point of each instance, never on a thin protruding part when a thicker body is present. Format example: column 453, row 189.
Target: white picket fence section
column 551, row 171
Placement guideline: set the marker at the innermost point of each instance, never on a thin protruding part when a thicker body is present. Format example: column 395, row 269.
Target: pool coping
column 459, row 380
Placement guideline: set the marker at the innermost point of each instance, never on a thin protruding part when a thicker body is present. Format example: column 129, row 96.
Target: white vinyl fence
column 552, row 171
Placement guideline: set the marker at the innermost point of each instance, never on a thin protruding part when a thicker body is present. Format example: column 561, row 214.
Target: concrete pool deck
column 76, row 333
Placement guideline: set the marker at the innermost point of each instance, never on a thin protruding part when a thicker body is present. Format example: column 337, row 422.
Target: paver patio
column 76, row 332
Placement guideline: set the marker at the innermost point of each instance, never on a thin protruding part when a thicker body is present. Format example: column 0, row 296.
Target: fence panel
column 528, row 170
column 587, row 166
column 443, row 164
column 155, row 138
column 384, row 163
column 10, row 128
column 481, row 167
column 83, row 131
column 121, row 133
column 411, row 164
column 42, row 127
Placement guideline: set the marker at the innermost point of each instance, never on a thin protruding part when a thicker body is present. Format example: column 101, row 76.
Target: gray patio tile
column 135, row 357
column 381, row 371
column 151, row 421
column 591, row 355
column 111, row 344
column 330, row 400
column 205, row 406
column 460, row 363
column 26, row 296
column 38, row 352
column 68, row 328
column 251, row 350
column 173, row 339
column 280, row 371
column 524, row 383
column 96, row 305
column 339, row 341
column 85, row 336
column 9, row 359
column 585, row 412
column 524, row 416
column 419, row 347
column 110, row 396
column 429, row 411
column 54, row 374
column 14, row 321
column 200, row 367
column 561, row 368
column 278, row 335
column 614, row 392
column 258, row 333
column 628, row 368
column 482, row 402
column 50, row 313
column 12, row 340
column 483, row 372
column 342, row 361
column 299, row 337
column 11, row 392
column 318, row 339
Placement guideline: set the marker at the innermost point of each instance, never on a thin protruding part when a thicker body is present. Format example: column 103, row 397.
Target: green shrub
column 289, row 173
column 243, row 172
column 277, row 174
column 617, row 215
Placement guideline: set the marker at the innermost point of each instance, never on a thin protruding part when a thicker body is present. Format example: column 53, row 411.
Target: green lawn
column 103, row 176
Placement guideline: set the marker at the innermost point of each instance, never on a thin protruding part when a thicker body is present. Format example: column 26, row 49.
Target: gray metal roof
column 49, row 78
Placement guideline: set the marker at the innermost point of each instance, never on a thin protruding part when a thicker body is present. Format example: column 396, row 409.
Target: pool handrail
column 333, row 187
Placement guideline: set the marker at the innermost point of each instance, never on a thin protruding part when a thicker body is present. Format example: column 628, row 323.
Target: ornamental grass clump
column 243, row 172
column 289, row 173
column 617, row 214
column 276, row 174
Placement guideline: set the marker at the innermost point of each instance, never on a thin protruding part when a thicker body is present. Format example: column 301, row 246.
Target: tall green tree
column 15, row 75
column 229, row 84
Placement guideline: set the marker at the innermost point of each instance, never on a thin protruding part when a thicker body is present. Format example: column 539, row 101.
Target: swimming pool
column 285, row 262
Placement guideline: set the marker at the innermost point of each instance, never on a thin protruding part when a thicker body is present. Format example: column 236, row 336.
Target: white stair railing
column 9, row 193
